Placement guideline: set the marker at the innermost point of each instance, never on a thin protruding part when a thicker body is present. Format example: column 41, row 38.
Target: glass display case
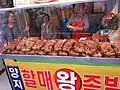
column 63, row 45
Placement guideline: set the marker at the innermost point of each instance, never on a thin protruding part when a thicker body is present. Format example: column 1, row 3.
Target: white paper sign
column 21, row 2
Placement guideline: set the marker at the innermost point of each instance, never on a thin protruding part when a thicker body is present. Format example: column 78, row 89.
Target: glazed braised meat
column 49, row 46
column 59, row 44
column 21, row 44
column 79, row 47
column 15, row 43
column 116, row 46
column 90, row 47
column 53, row 53
column 42, row 43
column 31, row 53
column 62, row 53
column 40, row 52
column 107, row 50
column 27, row 46
column 73, row 53
column 34, row 39
column 99, row 38
column 12, row 46
column 68, row 45
column 86, row 48
column 36, row 46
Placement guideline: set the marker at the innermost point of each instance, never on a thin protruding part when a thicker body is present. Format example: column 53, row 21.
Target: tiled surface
column 4, row 82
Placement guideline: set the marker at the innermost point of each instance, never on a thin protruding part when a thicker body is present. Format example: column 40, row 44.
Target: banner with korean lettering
column 49, row 76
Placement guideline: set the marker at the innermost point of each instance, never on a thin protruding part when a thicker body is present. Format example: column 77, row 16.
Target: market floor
column 4, row 82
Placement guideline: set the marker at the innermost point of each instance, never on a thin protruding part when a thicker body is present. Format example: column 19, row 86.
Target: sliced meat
column 8, row 52
column 62, row 53
column 36, row 47
column 31, row 53
column 21, row 44
column 59, row 44
column 68, row 45
column 25, row 49
column 107, row 50
column 90, row 47
column 15, row 52
column 49, row 46
column 21, row 52
column 41, row 52
column 79, row 47
column 53, row 54
column 33, row 39
column 116, row 46
column 73, row 53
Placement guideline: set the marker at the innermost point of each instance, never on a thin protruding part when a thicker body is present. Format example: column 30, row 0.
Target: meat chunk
column 15, row 52
column 97, row 54
column 21, row 52
column 116, row 46
column 107, row 50
column 53, row 54
column 41, row 52
column 58, row 46
column 99, row 38
column 79, row 47
column 49, row 46
column 25, row 49
column 62, row 53
column 15, row 43
column 36, row 46
column 90, row 47
column 42, row 43
column 68, row 45
column 34, row 39
column 31, row 53
column 21, row 44
column 73, row 53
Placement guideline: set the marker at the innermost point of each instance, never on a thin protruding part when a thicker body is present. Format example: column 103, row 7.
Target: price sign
column 21, row 2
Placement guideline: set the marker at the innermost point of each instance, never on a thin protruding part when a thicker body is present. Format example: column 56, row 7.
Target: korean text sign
column 47, row 76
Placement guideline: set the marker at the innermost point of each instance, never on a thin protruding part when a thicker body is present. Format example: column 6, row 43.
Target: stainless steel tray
column 62, row 58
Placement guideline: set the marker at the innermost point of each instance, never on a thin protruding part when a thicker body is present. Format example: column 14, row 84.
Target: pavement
column 4, row 81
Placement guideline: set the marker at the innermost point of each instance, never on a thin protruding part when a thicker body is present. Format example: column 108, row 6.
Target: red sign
column 67, row 79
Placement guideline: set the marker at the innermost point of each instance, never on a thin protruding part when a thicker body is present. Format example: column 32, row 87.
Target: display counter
column 35, row 72
column 53, row 50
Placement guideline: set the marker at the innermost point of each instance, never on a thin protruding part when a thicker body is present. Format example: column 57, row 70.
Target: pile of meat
column 71, row 47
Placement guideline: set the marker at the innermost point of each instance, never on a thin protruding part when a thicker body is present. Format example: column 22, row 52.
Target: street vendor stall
column 51, row 60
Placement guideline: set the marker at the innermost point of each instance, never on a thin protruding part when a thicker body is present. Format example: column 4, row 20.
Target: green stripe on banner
column 70, row 62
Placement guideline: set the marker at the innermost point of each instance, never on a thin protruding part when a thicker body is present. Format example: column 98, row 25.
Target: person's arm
column 26, row 31
column 42, row 32
column 73, row 27
column 69, row 22
column 76, row 28
column 86, row 27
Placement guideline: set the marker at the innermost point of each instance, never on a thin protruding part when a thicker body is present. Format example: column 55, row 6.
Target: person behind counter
column 10, row 31
column 48, row 30
column 78, row 23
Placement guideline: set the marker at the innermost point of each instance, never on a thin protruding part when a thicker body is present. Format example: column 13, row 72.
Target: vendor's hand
column 77, row 28
column 70, row 27
column 27, row 28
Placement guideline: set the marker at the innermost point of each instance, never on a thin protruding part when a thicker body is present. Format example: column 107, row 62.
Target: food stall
column 90, row 63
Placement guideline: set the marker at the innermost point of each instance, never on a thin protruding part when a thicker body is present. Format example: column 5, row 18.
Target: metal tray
column 62, row 58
